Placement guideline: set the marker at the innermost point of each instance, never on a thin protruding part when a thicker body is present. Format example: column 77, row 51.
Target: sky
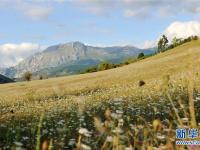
column 29, row 26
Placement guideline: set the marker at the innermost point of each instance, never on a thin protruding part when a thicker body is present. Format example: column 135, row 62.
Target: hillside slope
column 174, row 62
column 4, row 79
column 104, row 103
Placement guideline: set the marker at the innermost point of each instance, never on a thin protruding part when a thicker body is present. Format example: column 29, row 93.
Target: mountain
column 71, row 57
column 4, row 79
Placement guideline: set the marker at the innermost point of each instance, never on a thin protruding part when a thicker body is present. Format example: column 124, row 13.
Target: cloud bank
column 42, row 9
column 182, row 29
column 176, row 29
column 11, row 54
column 139, row 8
column 34, row 10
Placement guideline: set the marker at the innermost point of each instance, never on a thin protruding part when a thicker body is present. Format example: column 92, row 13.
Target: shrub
column 129, row 61
column 126, row 63
column 141, row 83
column 27, row 76
column 41, row 77
column 91, row 69
column 140, row 55
column 104, row 66
column 176, row 42
column 195, row 37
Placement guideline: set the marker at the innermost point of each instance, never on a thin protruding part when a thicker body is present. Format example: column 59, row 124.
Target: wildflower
column 85, row 147
column 128, row 148
column 117, row 130
column 18, row 144
column 119, row 112
column 72, row 142
column 197, row 98
column 185, row 120
column 161, row 137
column 84, row 131
column 114, row 115
column 121, row 122
column 61, row 122
column 25, row 138
column 45, row 131
column 60, row 130
column 109, row 139
column 167, row 130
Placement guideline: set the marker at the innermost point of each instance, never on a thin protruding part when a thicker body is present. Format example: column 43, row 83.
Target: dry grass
column 174, row 63
column 57, row 97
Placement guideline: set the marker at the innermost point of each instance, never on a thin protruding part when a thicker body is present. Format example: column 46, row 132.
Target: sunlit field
column 138, row 106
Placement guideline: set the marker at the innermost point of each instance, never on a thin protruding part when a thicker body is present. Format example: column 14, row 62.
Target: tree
column 174, row 41
column 41, row 77
column 140, row 55
column 91, row 69
column 27, row 76
column 165, row 41
column 103, row 66
column 195, row 37
column 162, row 43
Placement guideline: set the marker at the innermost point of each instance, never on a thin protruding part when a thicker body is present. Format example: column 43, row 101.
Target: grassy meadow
column 107, row 109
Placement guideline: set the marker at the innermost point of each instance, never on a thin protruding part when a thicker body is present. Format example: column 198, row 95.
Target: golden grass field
column 55, row 96
column 119, row 82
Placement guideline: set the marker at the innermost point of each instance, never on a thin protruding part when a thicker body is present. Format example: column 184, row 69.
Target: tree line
column 163, row 43
column 106, row 65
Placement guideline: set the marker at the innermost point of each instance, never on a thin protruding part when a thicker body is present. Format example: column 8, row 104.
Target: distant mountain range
column 71, row 58
column 4, row 79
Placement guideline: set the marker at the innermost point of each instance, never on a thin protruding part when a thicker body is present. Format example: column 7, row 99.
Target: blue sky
column 32, row 25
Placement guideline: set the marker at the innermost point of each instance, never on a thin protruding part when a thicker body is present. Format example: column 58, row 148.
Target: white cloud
column 129, row 13
column 38, row 13
column 141, row 13
column 60, row 1
column 148, row 44
column 175, row 29
column 35, row 10
column 182, row 29
column 96, row 7
column 42, row 9
column 11, row 54
column 139, row 8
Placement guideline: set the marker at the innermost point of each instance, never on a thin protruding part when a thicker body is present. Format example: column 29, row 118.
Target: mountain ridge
column 71, row 53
